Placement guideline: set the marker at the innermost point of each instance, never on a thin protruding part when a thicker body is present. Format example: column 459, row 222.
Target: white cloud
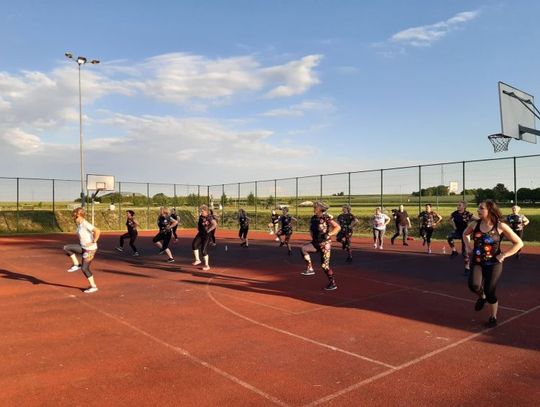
column 22, row 142
column 297, row 75
column 424, row 36
column 301, row 109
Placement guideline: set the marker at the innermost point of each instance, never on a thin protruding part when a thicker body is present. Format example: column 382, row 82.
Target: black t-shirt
column 320, row 227
column 286, row 222
column 516, row 222
column 243, row 221
column 275, row 218
column 461, row 220
column 204, row 224
column 163, row 223
column 401, row 218
column 345, row 220
column 131, row 226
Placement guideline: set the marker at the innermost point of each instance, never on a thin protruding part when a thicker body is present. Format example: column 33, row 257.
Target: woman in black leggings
column 205, row 226
column 486, row 255
column 132, row 233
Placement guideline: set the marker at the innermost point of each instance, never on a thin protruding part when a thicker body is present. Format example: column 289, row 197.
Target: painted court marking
column 414, row 361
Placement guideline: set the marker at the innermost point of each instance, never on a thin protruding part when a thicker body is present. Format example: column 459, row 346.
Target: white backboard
column 514, row 113
column 96, row 182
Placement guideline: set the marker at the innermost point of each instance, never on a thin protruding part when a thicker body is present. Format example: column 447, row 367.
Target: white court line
column 303, row 338
column 188, row 355
column 414, row 361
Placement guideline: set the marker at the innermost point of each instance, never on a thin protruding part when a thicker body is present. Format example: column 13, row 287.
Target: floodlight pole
column 81, row 61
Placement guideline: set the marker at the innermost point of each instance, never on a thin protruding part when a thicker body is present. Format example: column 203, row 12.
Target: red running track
column 399, row 331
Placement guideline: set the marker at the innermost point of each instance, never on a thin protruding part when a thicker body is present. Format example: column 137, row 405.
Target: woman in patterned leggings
column 322, row 228
column 486, row 255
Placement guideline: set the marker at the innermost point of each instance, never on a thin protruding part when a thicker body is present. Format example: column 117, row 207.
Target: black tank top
column 487, row 245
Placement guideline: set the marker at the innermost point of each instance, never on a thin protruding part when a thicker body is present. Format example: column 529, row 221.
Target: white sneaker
column 136, row 254
column 271, row 232
column 308, row 272
column 90, row 290
column 375, row 245
column 277, row 239
column 380, row 247
column 120, row 249
column 73, row 268
column 206, row 268
column 196, row 262
column 429, row 251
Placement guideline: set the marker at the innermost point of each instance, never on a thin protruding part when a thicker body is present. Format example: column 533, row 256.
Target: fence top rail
column 382, row 169
column 289, row 178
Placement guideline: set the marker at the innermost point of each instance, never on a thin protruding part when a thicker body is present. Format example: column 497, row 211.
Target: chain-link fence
column 44, row 205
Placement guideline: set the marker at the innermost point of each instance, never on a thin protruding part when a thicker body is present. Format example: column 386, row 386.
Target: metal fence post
column 119, row 205
column 256, row 199
column 382, row 189
column 463, row 180
column 515, row 184
column 320, row 185
column 223, row 203
column 349, row 181
column 419, row 188
column 17, row 225
column 275, row 193
column 208, row 194
column 238, row 201
column 148, row 205
column 296, row 198
column 53, row 207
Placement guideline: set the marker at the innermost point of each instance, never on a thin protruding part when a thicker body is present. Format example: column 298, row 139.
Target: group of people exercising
column 483, row 255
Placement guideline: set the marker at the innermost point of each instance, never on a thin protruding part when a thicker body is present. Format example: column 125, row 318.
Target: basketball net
column 500, row 142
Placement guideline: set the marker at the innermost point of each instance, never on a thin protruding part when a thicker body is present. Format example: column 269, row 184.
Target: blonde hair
column 79, row 212
column 321, row 205
column 203, row 208
column 517, row 208
column 164, row 210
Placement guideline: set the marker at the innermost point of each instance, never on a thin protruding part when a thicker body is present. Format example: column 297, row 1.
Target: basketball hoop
column 500, row 142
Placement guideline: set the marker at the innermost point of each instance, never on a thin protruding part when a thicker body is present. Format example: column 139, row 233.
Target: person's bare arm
column 517, row 243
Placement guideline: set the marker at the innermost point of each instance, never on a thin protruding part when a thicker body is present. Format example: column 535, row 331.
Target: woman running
column 379, row 222
column 286, row 229
column 429, row 219
column 163, row 238
column 346, row 221
column 87, row 247
column 460, row 218
column 132, row 233
column 273, row 226
column 322, row 228
column 486, row 255
column 205, row 226
column 243, row 222
column 518, row 223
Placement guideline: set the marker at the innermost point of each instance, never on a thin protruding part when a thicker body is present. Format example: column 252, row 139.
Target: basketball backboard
column 518, row 113
column 96, row 182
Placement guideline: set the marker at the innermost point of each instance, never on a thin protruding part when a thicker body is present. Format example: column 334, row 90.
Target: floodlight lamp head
column 69, row 55
column 94, row 61
column 81, row 60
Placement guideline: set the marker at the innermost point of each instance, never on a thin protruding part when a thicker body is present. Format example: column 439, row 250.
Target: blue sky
column 213, row 91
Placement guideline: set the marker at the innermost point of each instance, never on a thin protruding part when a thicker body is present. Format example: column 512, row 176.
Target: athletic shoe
column 161, row 252
column 90, row 290
column 271, row 232
column 381, row 247
column 375, row 245
column 281, row 244
column 206, row 268
column 196, row 262
column 349, row 259
column 290, row 252
column 120, row 249
column 213, row 244
column 242, row 244
column 277, row 239
column 405, row 244
column 454, row 253
column 429, row 251
column 73, row 268
column 479, row 304
column 331, row 286
column 466, row 272
column 170, row 260
column 136, row 254
column 492, row 322
column 308, row 272
column 423, row 242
